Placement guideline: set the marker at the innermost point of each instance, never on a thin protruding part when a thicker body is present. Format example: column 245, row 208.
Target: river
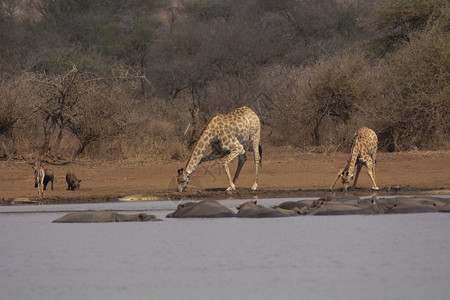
column 305, row 257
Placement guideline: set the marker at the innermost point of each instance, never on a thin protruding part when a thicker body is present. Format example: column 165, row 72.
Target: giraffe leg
column 339, row 175
column 257, row 160
column 371, row 172
column 358, row 169
column 239, row 150
column 242, row 158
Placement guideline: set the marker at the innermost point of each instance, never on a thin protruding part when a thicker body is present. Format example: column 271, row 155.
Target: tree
column 60, row 97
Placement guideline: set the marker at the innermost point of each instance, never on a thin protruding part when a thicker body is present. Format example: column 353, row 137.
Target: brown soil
column 285, row 173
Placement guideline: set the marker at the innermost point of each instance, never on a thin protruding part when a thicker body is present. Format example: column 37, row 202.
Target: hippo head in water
column 247, row 205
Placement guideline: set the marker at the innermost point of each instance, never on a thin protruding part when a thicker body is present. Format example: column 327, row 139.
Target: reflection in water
column 332, row 257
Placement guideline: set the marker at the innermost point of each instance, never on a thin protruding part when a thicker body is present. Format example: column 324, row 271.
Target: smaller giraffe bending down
column 225, row 137
column 364, row 151
column 39, row 174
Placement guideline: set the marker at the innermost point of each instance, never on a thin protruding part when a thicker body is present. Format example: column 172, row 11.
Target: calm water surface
column 307, row 257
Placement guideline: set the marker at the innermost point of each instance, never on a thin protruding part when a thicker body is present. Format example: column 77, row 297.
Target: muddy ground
column 285, row 173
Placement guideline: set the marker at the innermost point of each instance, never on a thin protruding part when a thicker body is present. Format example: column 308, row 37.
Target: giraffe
column 225, row 137
column 364, row 151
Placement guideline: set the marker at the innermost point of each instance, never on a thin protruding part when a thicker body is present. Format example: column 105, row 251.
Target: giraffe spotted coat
column 364, row 151
column 225, row 137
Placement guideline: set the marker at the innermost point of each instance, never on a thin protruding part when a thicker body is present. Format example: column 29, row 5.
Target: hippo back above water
column 104, row 216
column 202, row 209
column 251, row 209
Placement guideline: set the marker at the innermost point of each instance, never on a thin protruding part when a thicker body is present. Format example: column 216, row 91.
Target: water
column 306, row 257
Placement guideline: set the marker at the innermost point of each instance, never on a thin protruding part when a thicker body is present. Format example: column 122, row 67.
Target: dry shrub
column 152, row 140
column 319, row 103
column 64, row 116
column 403, row 16
column 101, row 115
column 278, row 104
column 17, row 117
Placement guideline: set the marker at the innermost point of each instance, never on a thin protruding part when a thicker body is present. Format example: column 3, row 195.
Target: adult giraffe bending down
column 226, row 137
column 364, row 151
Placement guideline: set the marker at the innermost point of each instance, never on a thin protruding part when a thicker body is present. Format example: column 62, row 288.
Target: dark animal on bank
column 73, row 183
column 48, row 177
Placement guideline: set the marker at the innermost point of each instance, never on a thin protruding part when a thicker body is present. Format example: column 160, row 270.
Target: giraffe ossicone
column 364, row 151
column 225, row 137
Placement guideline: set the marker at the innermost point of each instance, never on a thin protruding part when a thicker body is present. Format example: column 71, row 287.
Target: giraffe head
column 182, row 179
column 346, row 177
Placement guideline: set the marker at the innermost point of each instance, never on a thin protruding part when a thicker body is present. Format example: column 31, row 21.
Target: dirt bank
column 285, row 173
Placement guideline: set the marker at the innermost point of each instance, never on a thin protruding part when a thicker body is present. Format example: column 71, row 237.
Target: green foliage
column 192, row 7
column 347, row 22
column 113, row 40
column 58, row 10
column 145, row 29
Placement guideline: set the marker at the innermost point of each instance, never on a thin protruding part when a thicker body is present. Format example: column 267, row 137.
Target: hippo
column 251, row 209
column 352, row 205
column 73, row 183
column 104, row 216
column 347, row 205
column 48, row 177
column 303, row 207
column 202, row 209
column 416, row 204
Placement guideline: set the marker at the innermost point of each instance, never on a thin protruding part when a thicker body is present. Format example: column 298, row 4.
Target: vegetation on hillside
column 138, row 79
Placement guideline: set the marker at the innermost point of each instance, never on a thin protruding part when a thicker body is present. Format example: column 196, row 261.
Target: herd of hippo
column 330, row 205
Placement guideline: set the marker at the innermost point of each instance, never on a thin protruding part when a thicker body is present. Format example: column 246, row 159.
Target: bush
column 404, row 16
column 416, row 82
column 330, row 96
column 17, row 116
column 396, row 20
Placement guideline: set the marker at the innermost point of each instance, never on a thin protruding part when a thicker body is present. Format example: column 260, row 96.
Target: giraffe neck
column 200, row 150
column 351, row 164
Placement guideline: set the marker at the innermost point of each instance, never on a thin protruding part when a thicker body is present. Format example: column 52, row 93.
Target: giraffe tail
column 260, row 154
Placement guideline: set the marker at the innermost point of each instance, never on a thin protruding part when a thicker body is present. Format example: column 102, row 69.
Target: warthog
column 48, row 177
column 73, row 183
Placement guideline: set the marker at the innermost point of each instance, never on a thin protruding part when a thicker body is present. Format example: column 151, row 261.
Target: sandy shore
column 285, row 173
